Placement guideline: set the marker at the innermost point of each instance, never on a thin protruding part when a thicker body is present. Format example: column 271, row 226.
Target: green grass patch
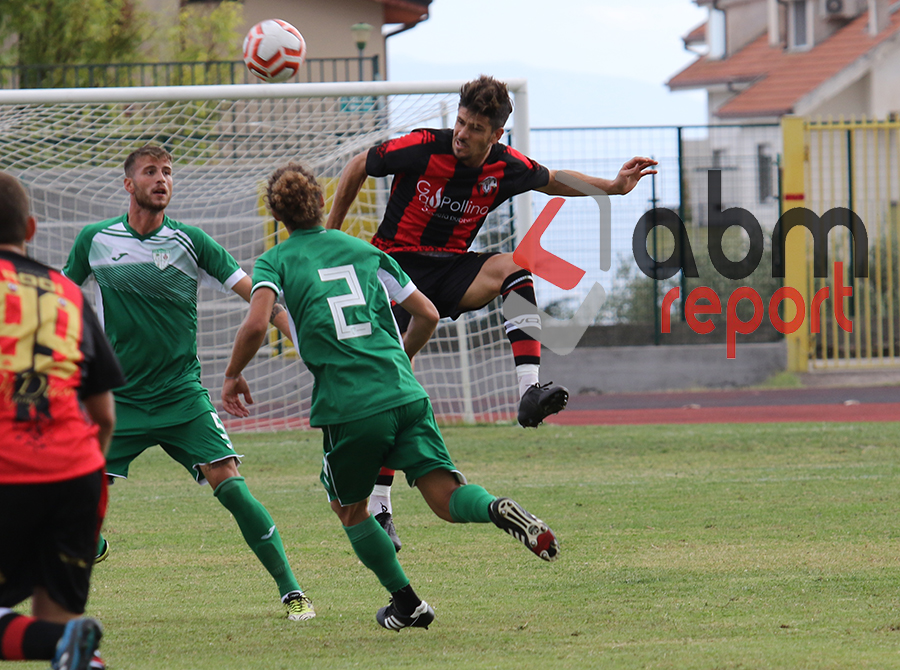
column 689, row 547
column 782, row 380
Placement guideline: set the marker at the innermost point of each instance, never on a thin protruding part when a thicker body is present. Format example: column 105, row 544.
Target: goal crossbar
column 237, row 91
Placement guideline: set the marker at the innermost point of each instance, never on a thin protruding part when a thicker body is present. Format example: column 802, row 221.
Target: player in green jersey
column 372, row 410
column 148, row 269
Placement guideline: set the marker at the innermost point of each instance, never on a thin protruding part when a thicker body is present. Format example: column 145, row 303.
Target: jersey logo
column 162, row 258
column 30, row 393
column 120, row 256
column 426, row 197
column 488, row 185
column 464, row 210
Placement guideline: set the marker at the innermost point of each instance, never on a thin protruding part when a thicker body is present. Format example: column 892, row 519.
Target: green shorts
column 405, row 438
column 192, row 443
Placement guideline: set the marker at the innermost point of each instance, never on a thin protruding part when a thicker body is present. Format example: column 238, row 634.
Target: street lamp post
column 361, row 37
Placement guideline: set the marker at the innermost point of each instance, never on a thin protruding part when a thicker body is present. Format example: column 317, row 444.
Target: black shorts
column 51, row 539
column 443, row 279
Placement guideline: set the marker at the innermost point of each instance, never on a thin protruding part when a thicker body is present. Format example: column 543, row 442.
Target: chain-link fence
column 746, row 157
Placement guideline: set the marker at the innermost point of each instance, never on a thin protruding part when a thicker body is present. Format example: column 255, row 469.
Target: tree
column 71, row 32
column 202, row 35
column 45, row 34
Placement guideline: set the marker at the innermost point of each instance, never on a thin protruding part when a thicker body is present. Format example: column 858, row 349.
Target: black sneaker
column 75, row 649
column 389, row 618
column 540, row 401
column 387, row 522
column 510, row 516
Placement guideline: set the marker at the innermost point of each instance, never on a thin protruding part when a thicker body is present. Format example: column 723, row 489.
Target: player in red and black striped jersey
column 445, row 182
column 56, row 419
column 439, row 203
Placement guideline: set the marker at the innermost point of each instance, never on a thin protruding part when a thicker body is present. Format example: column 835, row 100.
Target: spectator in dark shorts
column 56, row 417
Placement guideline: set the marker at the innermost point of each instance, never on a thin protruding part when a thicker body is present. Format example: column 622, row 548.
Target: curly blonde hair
column 294, row 197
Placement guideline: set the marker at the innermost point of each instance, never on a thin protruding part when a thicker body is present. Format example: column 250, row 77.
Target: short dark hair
column 14, row 210
column 147, row 150
column 488, row 97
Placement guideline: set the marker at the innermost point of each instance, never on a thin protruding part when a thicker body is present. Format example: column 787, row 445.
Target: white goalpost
column 68, row 147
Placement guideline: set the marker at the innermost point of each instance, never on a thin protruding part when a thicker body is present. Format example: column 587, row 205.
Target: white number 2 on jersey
column 337, row 303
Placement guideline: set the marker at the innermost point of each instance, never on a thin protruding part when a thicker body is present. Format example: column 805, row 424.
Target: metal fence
column 746, row 157
column 846, row 171
column 314, row 70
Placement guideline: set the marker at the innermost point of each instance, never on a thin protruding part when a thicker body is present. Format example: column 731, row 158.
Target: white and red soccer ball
column 274, row 50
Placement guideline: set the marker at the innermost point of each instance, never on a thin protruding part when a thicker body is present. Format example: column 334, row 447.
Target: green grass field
column 708, row 547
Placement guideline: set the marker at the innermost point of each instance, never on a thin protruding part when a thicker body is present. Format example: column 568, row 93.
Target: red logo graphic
column 530, row 255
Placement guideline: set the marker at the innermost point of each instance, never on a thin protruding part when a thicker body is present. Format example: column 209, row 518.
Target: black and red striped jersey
column 52, row 354
column 437, row 203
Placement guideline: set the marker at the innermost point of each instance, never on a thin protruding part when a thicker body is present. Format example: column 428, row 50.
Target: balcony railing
column 314, row 70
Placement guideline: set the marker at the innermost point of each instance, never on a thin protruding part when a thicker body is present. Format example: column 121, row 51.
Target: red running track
column 876, row 403
column 848, row 404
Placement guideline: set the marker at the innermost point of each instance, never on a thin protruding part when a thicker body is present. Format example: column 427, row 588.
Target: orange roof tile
column 779, row 79
column 696, row 35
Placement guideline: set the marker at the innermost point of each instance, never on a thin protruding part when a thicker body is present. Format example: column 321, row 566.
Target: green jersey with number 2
column 338, row 291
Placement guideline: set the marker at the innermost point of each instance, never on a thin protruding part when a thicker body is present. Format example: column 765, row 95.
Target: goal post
column 68, row 147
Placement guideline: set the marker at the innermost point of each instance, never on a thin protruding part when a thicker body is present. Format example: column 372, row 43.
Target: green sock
column 100, row 542
column 376, row 551
column 258, row 530
column 470, row 504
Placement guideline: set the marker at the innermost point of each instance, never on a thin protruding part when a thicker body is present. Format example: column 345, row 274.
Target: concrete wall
column 885, row 89
column 663, row 368
column 324, row 25
column 855, row 100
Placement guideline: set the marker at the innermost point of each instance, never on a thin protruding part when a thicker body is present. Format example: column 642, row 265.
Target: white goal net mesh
column 70, row 156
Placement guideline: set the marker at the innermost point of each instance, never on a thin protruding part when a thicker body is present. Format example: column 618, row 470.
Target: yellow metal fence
column 833, row 168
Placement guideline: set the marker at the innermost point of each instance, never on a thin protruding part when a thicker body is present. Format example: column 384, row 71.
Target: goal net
column 68, row 147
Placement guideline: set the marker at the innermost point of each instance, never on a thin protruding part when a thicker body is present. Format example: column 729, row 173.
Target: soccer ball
column 274, row 50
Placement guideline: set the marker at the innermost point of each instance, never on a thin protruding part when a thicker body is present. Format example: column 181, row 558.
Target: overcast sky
column 587, row 62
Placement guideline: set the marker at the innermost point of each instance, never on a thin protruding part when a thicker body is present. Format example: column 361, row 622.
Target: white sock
column 380, row 500
column 528, row 375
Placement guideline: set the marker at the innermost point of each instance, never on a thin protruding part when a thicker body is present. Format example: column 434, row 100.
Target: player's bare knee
column 351, row 515
column 496, row 269
column 218, row 471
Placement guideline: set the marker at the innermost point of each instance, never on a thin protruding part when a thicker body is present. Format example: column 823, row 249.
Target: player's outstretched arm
column 101, row 407
column 424, row 320
column 352, row 179
column 247, row 342
column 629, row 176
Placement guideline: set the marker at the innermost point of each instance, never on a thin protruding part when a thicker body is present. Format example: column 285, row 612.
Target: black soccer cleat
column 387, row 522
column 540, row 401
column 510, row 516
column 388, row 617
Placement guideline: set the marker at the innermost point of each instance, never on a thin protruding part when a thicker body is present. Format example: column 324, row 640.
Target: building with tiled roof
column 760, row 60
column 763, row 59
